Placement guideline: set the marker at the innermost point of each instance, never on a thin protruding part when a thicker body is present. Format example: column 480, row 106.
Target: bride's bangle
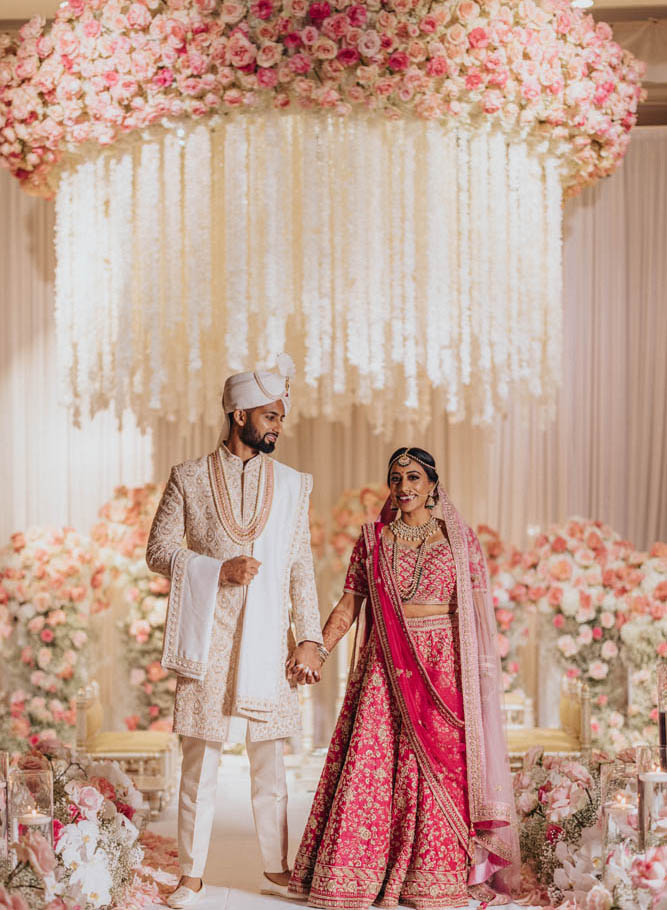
column 322, row 651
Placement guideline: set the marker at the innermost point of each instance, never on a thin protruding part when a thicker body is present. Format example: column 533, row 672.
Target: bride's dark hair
column 423, row 457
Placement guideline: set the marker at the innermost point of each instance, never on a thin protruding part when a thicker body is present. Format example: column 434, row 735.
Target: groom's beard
column 253, row 440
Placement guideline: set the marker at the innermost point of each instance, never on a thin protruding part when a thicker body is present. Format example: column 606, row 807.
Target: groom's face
column 263, row 426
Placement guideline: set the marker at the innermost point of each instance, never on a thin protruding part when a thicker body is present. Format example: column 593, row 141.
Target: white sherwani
column 191, row 508
column 188, row 509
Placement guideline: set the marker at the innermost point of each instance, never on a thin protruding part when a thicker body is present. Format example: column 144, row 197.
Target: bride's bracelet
column 322, row 651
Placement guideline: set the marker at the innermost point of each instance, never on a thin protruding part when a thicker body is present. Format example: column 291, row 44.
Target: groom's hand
column 239, row 571
column 304, row 665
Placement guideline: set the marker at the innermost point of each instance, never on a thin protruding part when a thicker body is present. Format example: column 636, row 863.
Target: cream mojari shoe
column 184, row 897
column 266, row 886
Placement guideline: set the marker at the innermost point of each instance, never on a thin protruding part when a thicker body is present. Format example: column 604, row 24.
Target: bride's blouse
column 438, row 580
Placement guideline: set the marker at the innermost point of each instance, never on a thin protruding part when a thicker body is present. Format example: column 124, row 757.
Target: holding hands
column 304, row 666
column 239, row 571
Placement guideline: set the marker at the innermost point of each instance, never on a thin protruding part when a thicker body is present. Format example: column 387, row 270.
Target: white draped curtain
column 605, row 456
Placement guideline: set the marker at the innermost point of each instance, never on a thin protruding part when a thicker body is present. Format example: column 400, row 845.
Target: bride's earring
column 430, row 501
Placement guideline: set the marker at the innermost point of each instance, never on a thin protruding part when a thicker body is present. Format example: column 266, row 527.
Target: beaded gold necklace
column 409, row 532
column 239, row 533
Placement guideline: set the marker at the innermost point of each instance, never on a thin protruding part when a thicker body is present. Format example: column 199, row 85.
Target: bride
column 415, row 800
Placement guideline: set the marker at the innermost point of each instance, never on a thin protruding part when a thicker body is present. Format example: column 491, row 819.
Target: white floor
column 234, row 866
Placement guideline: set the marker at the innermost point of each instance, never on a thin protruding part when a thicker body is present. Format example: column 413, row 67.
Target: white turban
column 245, row 391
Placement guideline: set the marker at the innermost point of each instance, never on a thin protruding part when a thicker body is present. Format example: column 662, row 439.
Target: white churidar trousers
column 196, row 801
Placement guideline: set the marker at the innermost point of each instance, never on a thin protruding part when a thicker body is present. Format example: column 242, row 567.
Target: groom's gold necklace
column 244, row 534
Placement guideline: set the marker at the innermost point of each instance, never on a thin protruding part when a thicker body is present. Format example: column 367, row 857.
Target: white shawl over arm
column 194, row 586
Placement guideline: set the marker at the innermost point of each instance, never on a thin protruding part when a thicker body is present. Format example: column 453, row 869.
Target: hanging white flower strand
column 390, row 258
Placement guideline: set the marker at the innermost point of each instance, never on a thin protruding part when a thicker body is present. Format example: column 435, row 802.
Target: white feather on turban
column 244, row 391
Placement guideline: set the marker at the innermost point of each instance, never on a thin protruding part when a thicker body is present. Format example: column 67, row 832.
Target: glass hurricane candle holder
column 652, row 788
column 31, row 803
column 4, row 820
column 662, row 712
column 619, row 820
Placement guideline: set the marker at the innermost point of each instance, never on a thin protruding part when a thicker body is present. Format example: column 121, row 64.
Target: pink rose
column 369, row 43
column 348, row 56
column 437, row 66
column 231, row 11
column 559, row 621
column 309, row 35
column 267, row 78
column 263, row 9
column 33, row 848
column 138, row 16
column 240, row 52
column 88, row 799
column 46, row 635
column 233, row 98
column 318, row 12
column 478, row 37
column 36, row 624
column 357, row 15
column 398, row 62
column 301, row 64
column 325, row 49
column 269, row 54
column 428, row 25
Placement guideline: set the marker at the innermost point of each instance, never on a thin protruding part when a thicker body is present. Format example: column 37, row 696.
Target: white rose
column 607, row 620
column 609, row 650
column 570, row 603
column 598, row 670
column 567, row 645
column 585, row 636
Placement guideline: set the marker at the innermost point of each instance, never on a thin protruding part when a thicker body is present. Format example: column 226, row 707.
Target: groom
column 244, row 572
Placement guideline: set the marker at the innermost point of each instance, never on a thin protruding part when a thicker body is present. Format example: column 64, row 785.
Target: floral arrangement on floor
column 511, row 603
column 644, row 642
column 557, row 799
column 96, row 851
column 107, row 68
column 51, row 581
column 561, row 832
column 586, row 576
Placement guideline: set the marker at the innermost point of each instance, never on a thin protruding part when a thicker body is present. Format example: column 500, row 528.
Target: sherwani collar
column 234, row 463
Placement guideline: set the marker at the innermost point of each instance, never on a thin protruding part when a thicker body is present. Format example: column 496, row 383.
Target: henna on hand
column 340, row 619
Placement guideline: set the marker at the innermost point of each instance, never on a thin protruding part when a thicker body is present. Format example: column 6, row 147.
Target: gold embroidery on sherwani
column 202, row 707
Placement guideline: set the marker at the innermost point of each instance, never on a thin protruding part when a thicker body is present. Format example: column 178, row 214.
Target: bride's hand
column 304, row 666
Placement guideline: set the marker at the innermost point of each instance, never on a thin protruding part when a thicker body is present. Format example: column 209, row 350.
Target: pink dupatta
column 491, row 839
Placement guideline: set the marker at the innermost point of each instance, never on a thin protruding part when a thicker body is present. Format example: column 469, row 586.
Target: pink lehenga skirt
column 375, row 832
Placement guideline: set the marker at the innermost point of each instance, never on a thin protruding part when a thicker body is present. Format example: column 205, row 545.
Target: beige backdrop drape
column 604, row 457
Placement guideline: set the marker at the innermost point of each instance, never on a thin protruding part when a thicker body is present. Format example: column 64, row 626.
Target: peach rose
column 467, row 10
column 269, row 54
column 456, row 35
column 34, row 849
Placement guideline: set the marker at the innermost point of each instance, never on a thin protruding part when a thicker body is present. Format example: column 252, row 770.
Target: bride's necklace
column 400, row 528
column 411, row 532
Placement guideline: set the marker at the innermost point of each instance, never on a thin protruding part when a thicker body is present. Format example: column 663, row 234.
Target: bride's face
column 409, row 486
